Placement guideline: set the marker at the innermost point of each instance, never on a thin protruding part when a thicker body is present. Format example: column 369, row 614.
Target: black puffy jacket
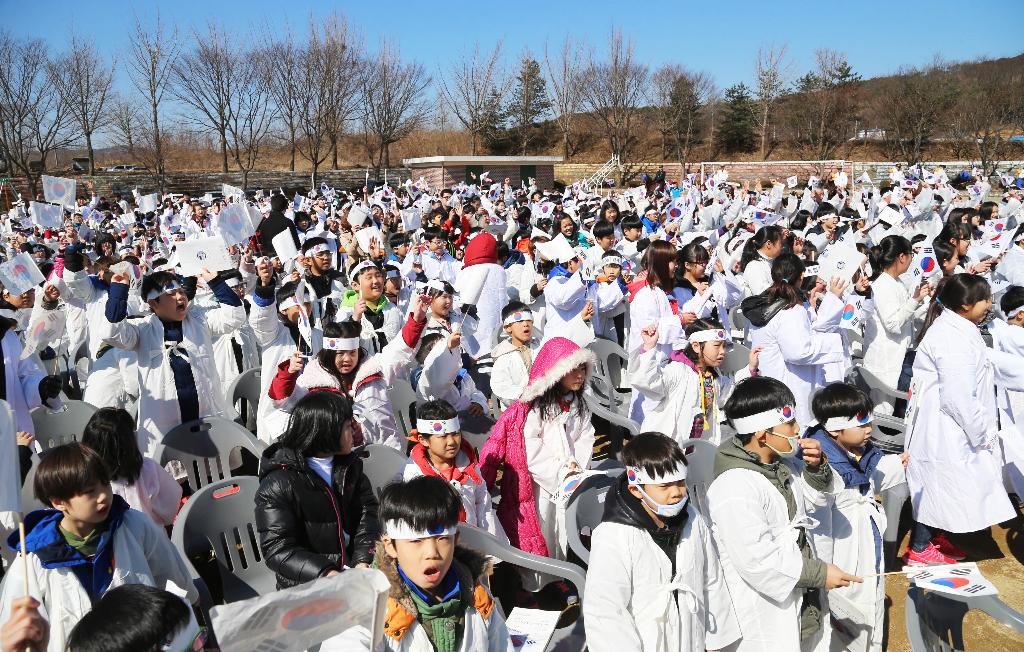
column 301, row 520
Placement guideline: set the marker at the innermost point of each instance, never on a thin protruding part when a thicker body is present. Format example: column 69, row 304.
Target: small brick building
column 446, row 171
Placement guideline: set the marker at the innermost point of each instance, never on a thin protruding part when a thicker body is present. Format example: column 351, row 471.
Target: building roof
column 447, row 161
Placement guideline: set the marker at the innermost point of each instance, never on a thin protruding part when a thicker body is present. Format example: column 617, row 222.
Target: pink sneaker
column 947, row 547
column 928, row 556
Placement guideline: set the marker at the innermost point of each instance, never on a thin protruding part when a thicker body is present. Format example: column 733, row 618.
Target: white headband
column 611, row 260
column 341, row 343
column 636, row 475
column 318, row 249
column 232, row 282
column 361, row 267
column 842, row 423
column 155, row 293
column 428, row 427
column 405, row 531
column 518, row 316
column 763, row 420
column 393, row 273
column 288, row 303
column 715, row 335
column 1016, row 311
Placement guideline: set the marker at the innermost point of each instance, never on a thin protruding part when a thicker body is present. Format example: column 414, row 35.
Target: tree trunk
column 385, row 155
column 312, row 175
column 473, row 143
column 334, row 151
column 245, row 179
column 158, row 146
column 92, row 156
column 565, row 145
column 223, row 151
column 291, row 164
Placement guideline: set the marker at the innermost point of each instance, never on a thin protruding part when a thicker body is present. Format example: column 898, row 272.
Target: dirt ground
column 1000, row 556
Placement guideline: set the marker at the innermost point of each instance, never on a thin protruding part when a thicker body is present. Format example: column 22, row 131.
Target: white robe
column 650, row 307
column 487, row 285
column 565, row 298
column 631, row 604
column 888, row 331
column 795, row 353
column 955, row 470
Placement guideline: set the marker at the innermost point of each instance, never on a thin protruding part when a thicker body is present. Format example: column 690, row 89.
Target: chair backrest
column 56, row 427
column 700, row 471
column 935, row 621
column 737, row 358
column 737, row 323
column 221, row 516
column 611, row 360
column 203, row 448
column 584, row 512
column 486, row 543
column 246, row 387
column 875, row 383
column 402, row 396
column 382, row 465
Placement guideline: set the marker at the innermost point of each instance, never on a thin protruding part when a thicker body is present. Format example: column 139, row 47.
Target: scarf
column 442, row 621
column 559, row 272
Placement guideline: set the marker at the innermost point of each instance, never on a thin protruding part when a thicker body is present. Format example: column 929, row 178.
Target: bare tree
column 281, row 76
column 679, row 96
column 990, row 101
column 615, row 90
column 252, row 115
column 393, row 99
column 125, row 124
column 344, row 48
column 915, row 107
column 33, row 119
column 152, row 55
column 823, row 111
column 206, row 81
column 566, row 89
column 772, row 75
column 475, row 92
column 83, row 80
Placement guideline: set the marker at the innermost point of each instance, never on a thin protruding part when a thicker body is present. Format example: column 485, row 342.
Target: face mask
column 665, row 511
column 792, row 445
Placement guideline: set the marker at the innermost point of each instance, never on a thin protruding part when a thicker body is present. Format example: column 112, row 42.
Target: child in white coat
column 443, row 453
column 654, row 582
column 758, row 511
column 850, row 527
column 513, row 357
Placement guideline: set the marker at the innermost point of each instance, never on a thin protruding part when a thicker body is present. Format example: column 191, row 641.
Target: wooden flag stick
column 24, row 561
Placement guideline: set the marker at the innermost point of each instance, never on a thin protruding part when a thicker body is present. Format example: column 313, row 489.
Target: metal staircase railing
column 597, row 179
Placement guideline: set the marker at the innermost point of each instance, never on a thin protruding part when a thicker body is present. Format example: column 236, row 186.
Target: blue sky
column 719, row 37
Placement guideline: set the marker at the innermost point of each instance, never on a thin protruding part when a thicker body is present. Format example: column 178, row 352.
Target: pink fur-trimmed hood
column 555, row 359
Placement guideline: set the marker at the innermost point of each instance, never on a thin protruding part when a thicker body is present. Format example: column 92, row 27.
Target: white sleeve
column 606, row 618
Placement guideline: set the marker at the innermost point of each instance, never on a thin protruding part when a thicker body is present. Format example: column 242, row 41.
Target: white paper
column 47, row 216
column 47, row 328
column 292, row 620
column 410, row 219
column 231, row 191
column 59, row 190
column 839, row 261
column 209, row 253
column 531, row 629
column 852, row 316
column 233, row 224
column 20, row 274
column 149, row 203
column 10, row 475
column 284, row 245
column 365, row 235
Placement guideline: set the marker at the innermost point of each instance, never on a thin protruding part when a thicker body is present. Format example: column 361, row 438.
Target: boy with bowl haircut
column 513, row 357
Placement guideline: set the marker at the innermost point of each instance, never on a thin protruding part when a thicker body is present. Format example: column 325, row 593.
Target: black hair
column 786, row 272
column 952, row 292
column 985, row 210
column 427, row 342
column 67, row 471
column 278, row 203
column 840, row 400
column 799, row 221
column 1012, row 299
column 706, row 324
column 513, row 307
column 111, row 433
column 770, row 233
column 549, row 404
column 301, row 215
column 886, row 252
column 128, row 618
column 438, row 409
column 425, row 502
column 694, row 252
column 431, row 232
column 286, row 291
column 944, row 251
column 312, row 242
column 603, row 229
column 630, row 221
column 344, row 329
column 955, row 231
column 825, row 209
column 655, row 453
column 756, row 395
column 157, row 280
column 608, row 206
column 315, row 425
column 396, row 240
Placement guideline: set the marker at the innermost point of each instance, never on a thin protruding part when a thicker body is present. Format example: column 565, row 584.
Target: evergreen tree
column 738, row 132
column 528, row 103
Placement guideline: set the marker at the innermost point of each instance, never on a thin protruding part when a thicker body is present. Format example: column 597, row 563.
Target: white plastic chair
column 245, row 388
column 62, row 426
column 935, row 621
column 382, row 465
column 204, row 446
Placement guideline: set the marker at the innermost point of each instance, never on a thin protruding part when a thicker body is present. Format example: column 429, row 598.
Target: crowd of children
column 745, row 515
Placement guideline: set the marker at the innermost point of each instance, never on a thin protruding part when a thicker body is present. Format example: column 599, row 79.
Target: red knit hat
column 483, row 248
